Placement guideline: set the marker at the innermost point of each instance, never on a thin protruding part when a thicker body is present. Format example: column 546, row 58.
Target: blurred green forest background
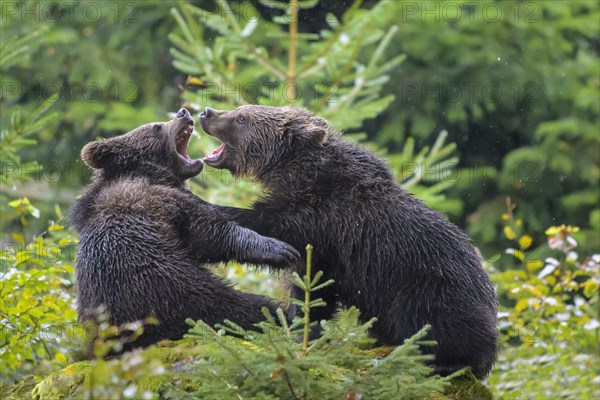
column 487, row 110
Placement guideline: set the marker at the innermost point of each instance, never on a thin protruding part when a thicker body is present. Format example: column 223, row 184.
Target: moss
column 332, row 374
column 154, row 384
column 62, row 384
column 179, row 358
column 378, row 352
column 467, row 387
column 170, row 352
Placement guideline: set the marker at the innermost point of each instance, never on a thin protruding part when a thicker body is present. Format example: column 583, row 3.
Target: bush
column 549, row 317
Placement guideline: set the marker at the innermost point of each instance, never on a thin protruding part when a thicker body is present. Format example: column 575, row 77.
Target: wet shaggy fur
column 389, row 254
column 144, row 237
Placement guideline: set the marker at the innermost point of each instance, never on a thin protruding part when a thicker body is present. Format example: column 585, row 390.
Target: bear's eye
column 241, row 119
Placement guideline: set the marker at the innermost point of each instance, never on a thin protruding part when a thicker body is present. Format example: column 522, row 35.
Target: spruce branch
column 194, row 45
column 363, row 76
column 313, row 66
column 307, row 286
column 428, row 157
column 256, row 52
column 13, row 50
column 343, row 73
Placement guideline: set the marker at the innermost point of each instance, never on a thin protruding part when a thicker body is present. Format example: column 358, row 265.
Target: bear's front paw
column 278, row 253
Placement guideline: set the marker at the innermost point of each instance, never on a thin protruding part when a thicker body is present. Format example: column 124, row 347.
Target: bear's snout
column 184, row 113
column 208, row 112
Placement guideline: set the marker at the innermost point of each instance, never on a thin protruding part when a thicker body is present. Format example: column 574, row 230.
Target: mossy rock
column 467, row 387
column 182, row 357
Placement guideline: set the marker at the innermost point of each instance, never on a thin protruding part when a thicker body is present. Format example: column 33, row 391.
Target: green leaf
column 249, row 28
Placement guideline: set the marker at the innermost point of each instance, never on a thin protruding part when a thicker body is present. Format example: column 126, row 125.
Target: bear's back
column 127, row 237
column 128, row 209
column 386, row 222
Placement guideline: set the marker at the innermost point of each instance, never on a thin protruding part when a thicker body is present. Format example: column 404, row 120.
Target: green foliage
column 38, row 329
column 516, row 85
column 550, row 323
column 133, row 375
column 268, row 363
column 235, row 58
column 522, row 115
column 255, row 280
column 240, row 61
column 15, row 137
column 276, row 365
column 98, row 63
column 434, row 167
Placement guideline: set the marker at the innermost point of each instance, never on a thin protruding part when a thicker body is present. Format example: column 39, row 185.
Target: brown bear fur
column 389, row 254
column 144, row 237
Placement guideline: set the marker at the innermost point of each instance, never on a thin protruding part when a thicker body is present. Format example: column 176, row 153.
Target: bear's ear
column 302, row 125
column 317, row 129
column 97, row 155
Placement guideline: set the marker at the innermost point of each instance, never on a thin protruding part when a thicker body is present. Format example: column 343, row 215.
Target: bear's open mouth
column 215, row 154
column 182, row 140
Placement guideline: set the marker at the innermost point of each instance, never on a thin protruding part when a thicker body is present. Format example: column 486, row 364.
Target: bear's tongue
column 216, row 153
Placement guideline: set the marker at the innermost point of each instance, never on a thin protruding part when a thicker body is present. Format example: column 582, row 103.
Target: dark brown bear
column 144, row 235
column 389, row 254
